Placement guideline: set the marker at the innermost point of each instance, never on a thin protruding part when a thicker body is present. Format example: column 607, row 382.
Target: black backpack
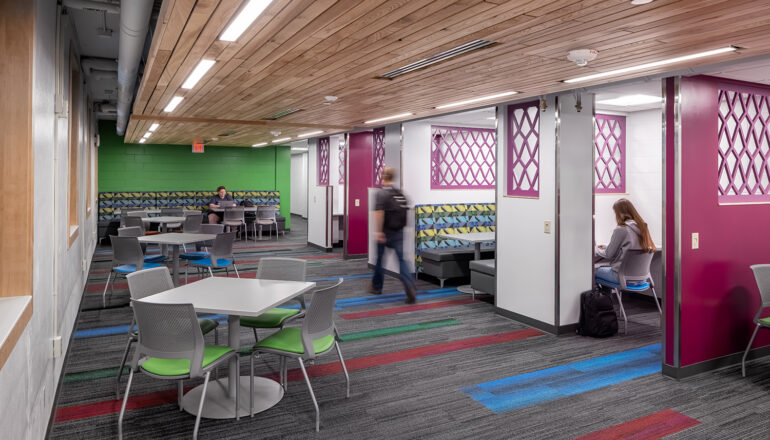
column 396, row 210
column 597, row 315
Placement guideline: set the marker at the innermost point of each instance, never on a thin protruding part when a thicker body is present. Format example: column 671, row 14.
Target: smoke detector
column 581, row 57
column 275, row 133
column 330, row 98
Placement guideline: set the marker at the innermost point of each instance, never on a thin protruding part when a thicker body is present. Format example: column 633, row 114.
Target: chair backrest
column 173, row 212
column 124, row 213
column 126, row 250
column 280, row 268
column 762, row 275
column 319, row 320
column 149, row 282
column 635, row 267
column 130, row 231
column 138, row 213
column 223, row 247
column 234, row 213
column 135, row 221
column 266, row 213
column 210, row 228
column 169, row 331
column 192, row 223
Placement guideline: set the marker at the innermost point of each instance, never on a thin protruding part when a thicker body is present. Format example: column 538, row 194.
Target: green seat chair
column 284, row 269
column 762, row 276
column 171, row 347
column 149, row 282
column 316, row 337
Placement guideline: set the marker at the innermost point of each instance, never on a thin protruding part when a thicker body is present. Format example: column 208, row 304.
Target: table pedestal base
column 466, row 288
column 219, row 404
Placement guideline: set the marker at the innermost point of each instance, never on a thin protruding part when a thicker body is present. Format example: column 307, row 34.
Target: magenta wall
column 360, row 160
column 670, row 168
column 719, row 294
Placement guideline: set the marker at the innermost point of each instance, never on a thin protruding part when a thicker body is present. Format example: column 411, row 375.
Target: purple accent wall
column 523, row 147
column 719, row 294
column 462, row 158
column 360, row 156
column 610, row 163
column 670, row 170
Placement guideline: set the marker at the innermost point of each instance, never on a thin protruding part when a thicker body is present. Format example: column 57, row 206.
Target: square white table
column 476, row 238
column 235, row 297
column 175, row 240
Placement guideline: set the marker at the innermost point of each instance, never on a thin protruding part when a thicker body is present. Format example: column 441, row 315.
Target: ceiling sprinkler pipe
column 134, row 24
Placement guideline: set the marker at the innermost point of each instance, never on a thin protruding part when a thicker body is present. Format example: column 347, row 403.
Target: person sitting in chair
column 218, row 201
column 631, row 233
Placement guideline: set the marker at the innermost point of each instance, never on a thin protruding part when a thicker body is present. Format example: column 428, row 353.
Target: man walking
column 390, row 211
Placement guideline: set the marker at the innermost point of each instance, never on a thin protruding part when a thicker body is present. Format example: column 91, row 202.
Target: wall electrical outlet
column 695, row 240
column 57, row 347
column 547, row 227
column 358, row 202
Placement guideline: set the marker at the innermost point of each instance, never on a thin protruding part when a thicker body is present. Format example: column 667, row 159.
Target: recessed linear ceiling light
column 651, row 65
column 298, row 149
column 261, row 144
column 146, row 135
column 281, row 140
column 640, row 2
column 198, row 73
column 439, row 57
column 312, row 133
column 173, row 103
column 154, row 126
column 142, row 140
column 387, row 118
column 283, row 113
column 244, row 19
column 471, row 101
column 629, row 100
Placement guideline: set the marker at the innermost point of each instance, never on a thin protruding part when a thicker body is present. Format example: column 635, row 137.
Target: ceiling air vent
column 283, row 113
column 443, row 56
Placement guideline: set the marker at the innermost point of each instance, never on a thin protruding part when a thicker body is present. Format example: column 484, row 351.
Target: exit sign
column 197, row 147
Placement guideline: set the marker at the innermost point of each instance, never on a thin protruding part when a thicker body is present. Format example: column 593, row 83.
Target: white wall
column 643, row 177
column 31, row 373
column 299, row 172
column 525, row 253
column 317, row 221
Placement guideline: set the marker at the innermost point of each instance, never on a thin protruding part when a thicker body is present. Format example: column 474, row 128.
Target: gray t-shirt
column 216, row 200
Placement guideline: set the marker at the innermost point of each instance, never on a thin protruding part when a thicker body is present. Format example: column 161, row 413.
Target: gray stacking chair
column 168, row 334
column 762, row 276
column 124, row 213
column 221, row 255
column 201, row 254
column 316, row 337
column 135, row 231
column 193, row 222
column 234, row 216
column 173, row 212
column 278, row 268
column 266, row 217
column 135, row 221
column 127, row 257
column 634, row 276
column 149, row 282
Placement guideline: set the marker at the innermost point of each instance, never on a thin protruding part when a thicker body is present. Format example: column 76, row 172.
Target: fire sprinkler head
column 275, row 133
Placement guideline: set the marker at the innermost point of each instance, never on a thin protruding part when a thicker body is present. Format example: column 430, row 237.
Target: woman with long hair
column 631, row 233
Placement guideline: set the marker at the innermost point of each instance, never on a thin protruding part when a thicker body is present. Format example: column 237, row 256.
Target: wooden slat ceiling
column 299, row 51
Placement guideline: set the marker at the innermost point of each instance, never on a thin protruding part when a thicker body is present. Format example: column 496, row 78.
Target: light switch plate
column 358, row 202
column 695, row 240
column 547, row 227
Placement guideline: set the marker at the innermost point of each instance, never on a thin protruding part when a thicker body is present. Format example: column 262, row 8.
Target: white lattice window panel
column 462, row 157
column 523, row 161
column 323, row 161
column 378, row 162
column 610, row 154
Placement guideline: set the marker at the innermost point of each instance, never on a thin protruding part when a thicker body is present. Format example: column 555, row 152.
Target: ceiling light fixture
column 261, row 144
column 298, row 149
column 629, row 100
column 146, row 135
column 640, row 2
column 154, row 126
column 471, row 101
column 197, row 73
column 387, row 118
column 281, row 140
column 142, row 140
column 244, row 19
column 173, row 103
column 651, row 65
column 312, row 133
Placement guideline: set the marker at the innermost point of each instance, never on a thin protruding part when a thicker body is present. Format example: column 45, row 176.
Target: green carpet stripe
column 94, row 374
column 387, row 331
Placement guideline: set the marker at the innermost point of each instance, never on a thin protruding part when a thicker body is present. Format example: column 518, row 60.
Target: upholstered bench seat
column 483, row 276
column 446, row 263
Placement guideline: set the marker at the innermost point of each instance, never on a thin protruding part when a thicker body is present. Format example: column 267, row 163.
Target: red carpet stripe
column 77, row 412
column 406, row 309
column 653, row 426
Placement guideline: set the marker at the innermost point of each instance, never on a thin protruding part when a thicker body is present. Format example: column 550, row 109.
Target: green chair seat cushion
column 271, row 319
column 207, row 325
column 765, row 322
column 290, row 340
column 180, row 367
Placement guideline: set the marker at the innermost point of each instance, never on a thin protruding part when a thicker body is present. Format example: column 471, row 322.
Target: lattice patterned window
column 744, row 144
column 323, row 161
column 462, row 157
column 341, row 165
column 378, row 141
column 523, row 162
column 610, row 163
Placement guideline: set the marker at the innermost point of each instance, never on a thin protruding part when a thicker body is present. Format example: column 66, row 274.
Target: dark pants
column 395, row 241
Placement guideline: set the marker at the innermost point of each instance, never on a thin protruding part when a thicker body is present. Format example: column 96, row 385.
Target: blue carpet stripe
column 339, row 305
column 541, row 386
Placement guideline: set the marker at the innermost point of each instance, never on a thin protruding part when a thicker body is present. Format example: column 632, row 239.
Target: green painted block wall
column 152, row 167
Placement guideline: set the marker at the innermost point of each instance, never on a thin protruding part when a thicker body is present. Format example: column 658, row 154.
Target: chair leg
column 211, row 273
column 216, row 335
column 441, row 283
column 312, row 395
column 238, row 388
column 236, row 270
column 180, row 394
column 104, row 295
column 200, row 405
column 655, row 295
column 256, row 338
column 122, row 365
column 123, row 406
column 623, row 311
column 344, row 368
column 746, row 353
column 251, row 385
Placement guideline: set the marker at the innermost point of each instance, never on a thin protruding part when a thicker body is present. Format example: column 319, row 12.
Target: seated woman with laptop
column 219, row 200
column 631, row 233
